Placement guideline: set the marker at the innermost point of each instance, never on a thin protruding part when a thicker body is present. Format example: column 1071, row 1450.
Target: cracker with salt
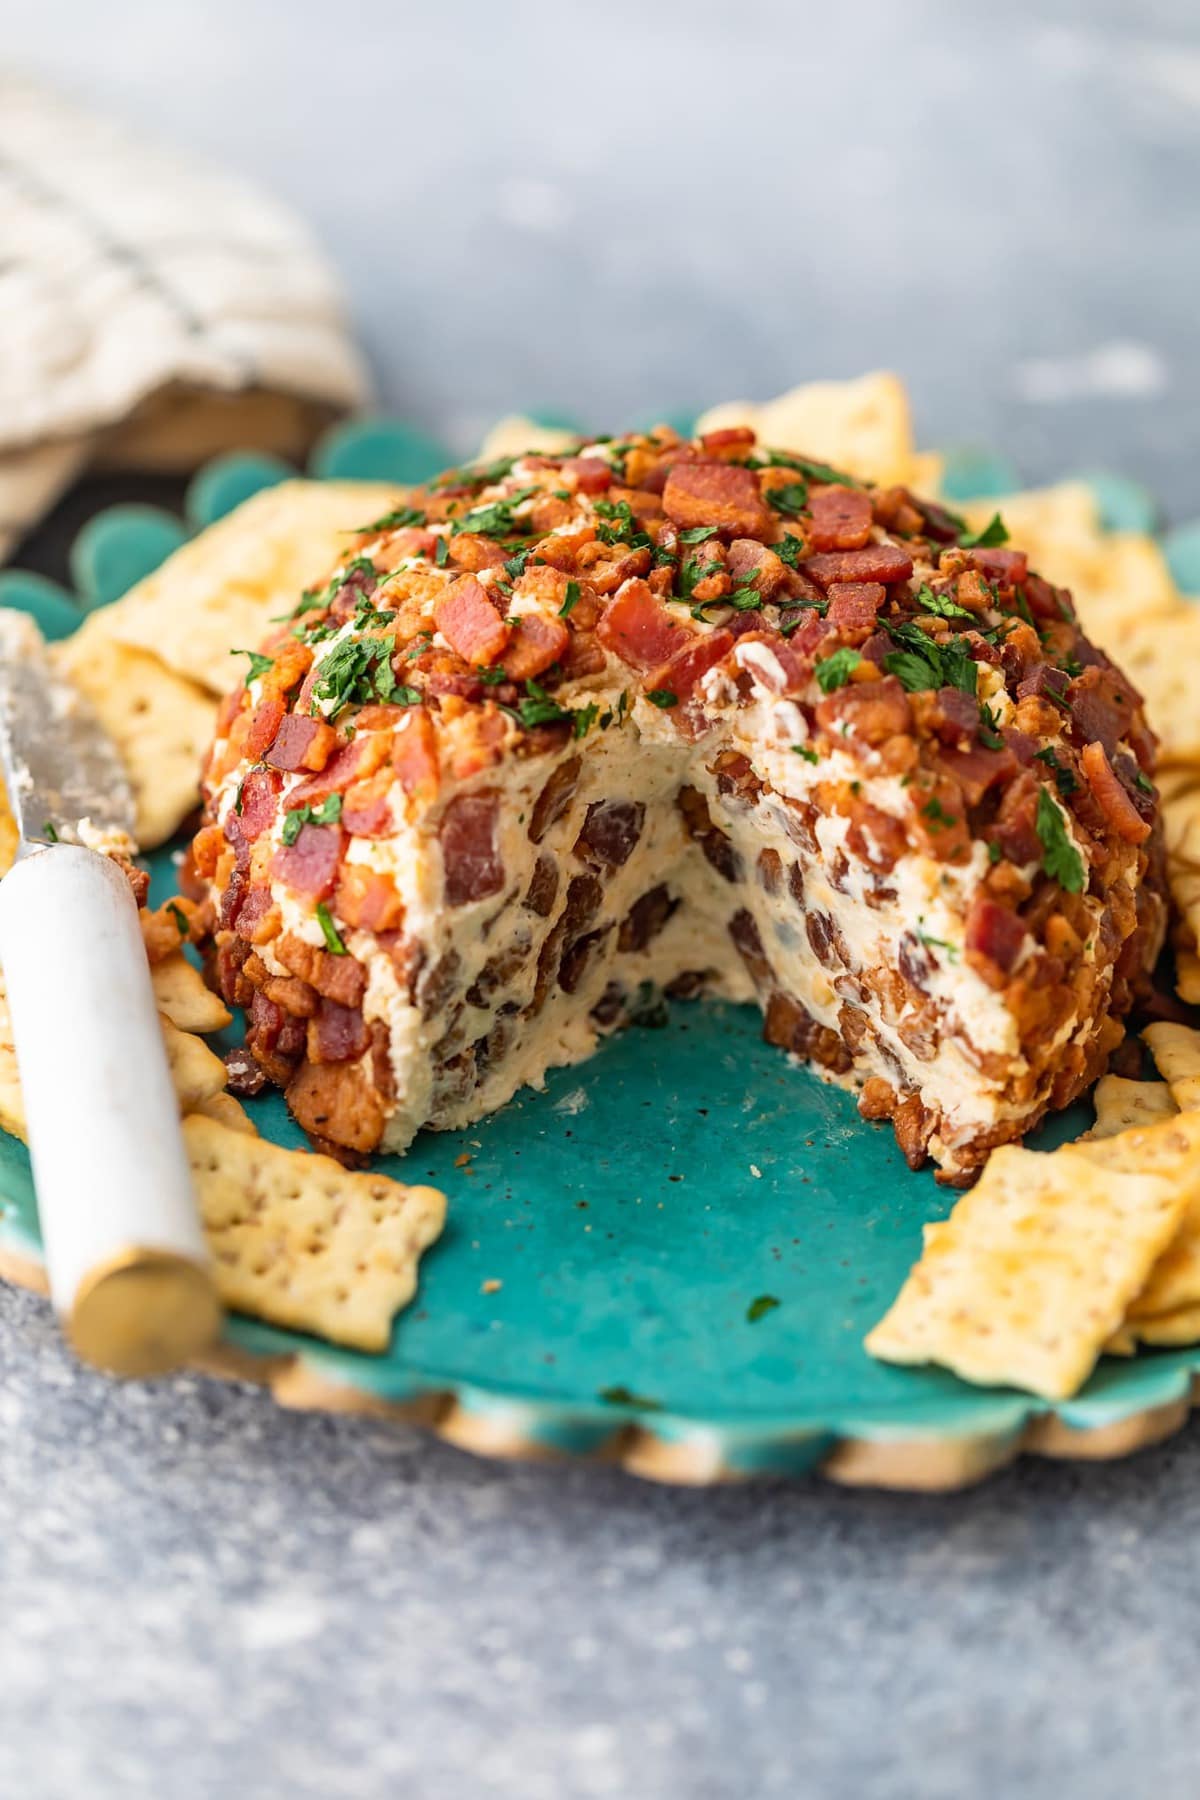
column 220, row 591
column 227, row 1110
column 183, row 995
column 160, row 723
column 1171, row 1150
column 1121, row 1104
column 297, row 1240
column 1035, row 1268
column 1176, row 1052
column 862, row 426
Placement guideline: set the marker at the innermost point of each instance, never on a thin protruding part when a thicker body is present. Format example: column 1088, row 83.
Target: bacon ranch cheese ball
column 693, row 716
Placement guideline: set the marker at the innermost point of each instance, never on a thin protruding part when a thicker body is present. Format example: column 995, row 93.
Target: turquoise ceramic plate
column 673, row 1253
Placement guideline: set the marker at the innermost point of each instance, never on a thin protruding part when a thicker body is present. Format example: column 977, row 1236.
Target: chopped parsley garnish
column 181, row 919
column 570, row 600
column 935, row 812
column 403, row 515
column 356, row 671
column 789, row 550
column 760, row 1307
column 692, row 573
column 696, row 534
column 309, row 601
column 790, row 500
column 490, row 677
column 329, row 931
column 804, row 465
column 1060, row 859
column 1141, row 781
column 328, row 813
column 585, row 718
column 804, row 750
column 406, row 696
column 995, row 853
column 662, row 697
column 803, row 608
column 989, row 728
column 924, row 663
column 835, row 671
column 1064, row 778
column 496, row 518
column 623, row 1396
column 50, row 831
column 258, row 664
column 538, row 708
column 940, row 605
column 994, row 533
column 621, row 527
column 441, row 554
column 936, row 943
column 514, row 568
column 483, row 474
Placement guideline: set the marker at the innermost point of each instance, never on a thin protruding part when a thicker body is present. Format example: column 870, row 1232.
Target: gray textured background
column 612, row 211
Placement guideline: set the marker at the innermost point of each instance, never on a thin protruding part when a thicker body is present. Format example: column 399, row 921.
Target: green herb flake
column 806, row 752
column 994, row 852
column 935, row 812
column 834, row 671
column 329, row 931
column 1060, row 859
column 940, row 605
column 1142, row 782
column 662, row 697
column 294, row 821
column 585, row 718
column 623, row 1396
column 804, row 465
column 50, row 831
column 989, row 728
column 570, row 601
column 181, row 919
column 393, row 521
column 441, row 554
column 1064, row 778
column 258, row 664
column 994, row 533
column 936, row 943
column 790, row 500
column 760, row 1307
column 697, row 534
column 789, row 550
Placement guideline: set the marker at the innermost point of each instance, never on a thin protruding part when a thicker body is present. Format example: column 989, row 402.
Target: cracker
column 181, row 992
column 1122, row 1104
column 8, row 834
column 161, row 724
column 1035, row 1268
column 222, row 589
column 1171, row 1150
column 514, row 433
column 1168, row 1330
column 197, row 1072
column 1187, row 976
column 1176, row 1053
column 1160, row 655
column 862, row 426
column 227, row 1110
column 12, row 1102
column 298, row 1241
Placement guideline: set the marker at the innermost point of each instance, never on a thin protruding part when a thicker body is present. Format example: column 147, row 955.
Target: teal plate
column 671, row 1255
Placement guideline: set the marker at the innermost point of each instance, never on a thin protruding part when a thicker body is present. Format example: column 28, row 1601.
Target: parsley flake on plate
column 1060, row 859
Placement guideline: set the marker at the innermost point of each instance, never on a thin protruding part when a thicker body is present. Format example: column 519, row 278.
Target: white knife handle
column 128, row 1266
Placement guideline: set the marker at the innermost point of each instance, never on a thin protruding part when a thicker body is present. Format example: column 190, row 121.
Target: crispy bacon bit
column 264, row 723
column 555, row 798
column 339, row 978
column 728, row 437
column 876, row 562
column 853, row 606
column 336, row 1034
column 352, row 762
column 976, row 770
column 611, row 829
column 470, row 853
column 536, row 643
column 244, row 1075
column 750, row 562
column 841, row 518
column 301, row 743
column 872, row 712
column 994, row 932
column 366, row 811
column 715, row 493
column 1009, row 567
column 1015, row 829
column 414, row 753
column 680, row 673
column 338, row 1105
column 638, row 628
column 472, row 552
column 257, row 918
column 1102, row 705
column 368, row 900
column 588, row 474
column 257, row 803
column 470, row 623
column 1110, row 794
column 310, row 865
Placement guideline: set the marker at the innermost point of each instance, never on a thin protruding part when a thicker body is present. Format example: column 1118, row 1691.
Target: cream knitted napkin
column 152, row 311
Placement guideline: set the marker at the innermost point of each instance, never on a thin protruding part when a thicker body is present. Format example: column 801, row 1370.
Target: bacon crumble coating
column 683, row 715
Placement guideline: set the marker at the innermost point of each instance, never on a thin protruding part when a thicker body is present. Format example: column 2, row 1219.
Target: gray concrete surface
column 619, row 210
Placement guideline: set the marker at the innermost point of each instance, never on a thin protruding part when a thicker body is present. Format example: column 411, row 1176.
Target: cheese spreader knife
column 129, row 1271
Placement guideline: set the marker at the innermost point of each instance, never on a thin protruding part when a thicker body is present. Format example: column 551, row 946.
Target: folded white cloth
column 152, row 311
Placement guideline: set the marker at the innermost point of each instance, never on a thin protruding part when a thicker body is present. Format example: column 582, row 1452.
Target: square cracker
column 1171, row 1150
column 161, row 724
column 220, row 591
column 299, row 1241
column 1176, row 1052
column 1121, row 1104
column 182, row 993
column 1034, row 1269
column 862, row 426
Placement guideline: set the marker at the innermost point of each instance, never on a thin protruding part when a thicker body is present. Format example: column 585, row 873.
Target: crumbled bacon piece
column 336, row 1033
column 264, row 723
column 368, row 899
column 536, row 642
column 853, row 607
column 1111, row 796
column 301, row 743
column 715, row 493
column 470, row 623
column 680, row 673
column 995, row 932
column 638, row 628
column 310, row 865
column 876, row 562
column 588, row 474
column 468, row 550
column 841, row 518
column 470, row 853
column 257, row 803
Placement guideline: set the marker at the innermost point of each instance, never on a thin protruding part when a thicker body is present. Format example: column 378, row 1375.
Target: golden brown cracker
column 196, row 1071
column 1121, row 1104
column 181, row 993
column 1176, row 1052
column 221, row 591
column 514, row 433
column 1035, row 1268
column 227, row 1110
column 299, row 1241
column 160, row 722
column 862, row 426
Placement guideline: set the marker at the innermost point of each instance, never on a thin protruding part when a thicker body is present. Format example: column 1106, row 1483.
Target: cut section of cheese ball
column 567, row 730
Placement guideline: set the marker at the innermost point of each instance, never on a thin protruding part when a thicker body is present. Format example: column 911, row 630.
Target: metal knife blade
column 60, row 768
